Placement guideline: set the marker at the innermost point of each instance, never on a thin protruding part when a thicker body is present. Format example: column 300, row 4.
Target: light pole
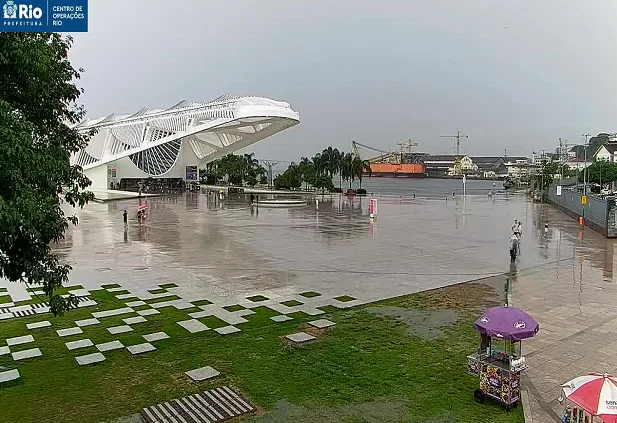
column 542, row 166
column 585, row 169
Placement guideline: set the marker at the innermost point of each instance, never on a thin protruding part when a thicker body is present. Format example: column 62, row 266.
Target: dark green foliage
column 601, row 172
column 236, row 170
column 37, row 104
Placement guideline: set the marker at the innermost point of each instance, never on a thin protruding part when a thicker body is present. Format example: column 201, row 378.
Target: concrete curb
column 526, row 406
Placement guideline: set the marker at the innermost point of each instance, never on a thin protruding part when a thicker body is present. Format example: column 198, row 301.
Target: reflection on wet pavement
column 226, row 251
column 574, row 299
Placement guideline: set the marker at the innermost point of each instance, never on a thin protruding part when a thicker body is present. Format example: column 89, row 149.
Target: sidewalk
column 575, row 302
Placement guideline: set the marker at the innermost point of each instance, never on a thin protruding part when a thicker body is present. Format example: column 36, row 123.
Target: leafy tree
column 323, row 182
column 545, row 177
column 362, row 166
column 290, row 179
column 602, row 172
column 38, row 107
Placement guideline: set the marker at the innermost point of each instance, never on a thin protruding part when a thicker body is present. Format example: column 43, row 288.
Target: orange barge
column 404, row 170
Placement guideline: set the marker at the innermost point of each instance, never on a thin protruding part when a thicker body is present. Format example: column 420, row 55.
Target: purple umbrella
column 507, row 323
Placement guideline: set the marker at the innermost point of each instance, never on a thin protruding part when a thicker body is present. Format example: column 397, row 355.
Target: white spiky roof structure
column 162, row 142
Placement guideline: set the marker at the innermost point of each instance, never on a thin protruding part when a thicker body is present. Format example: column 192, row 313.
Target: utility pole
column 458, row 136
column 543, row 162
column 585, row 169
column 270, row 164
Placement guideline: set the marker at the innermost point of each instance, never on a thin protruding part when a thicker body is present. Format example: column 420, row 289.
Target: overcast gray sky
column 511, row 74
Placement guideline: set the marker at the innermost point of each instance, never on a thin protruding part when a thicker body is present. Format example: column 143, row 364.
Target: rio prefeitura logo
column 10, row 10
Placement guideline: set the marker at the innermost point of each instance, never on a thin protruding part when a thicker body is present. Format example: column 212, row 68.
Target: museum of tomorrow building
column 174, row 142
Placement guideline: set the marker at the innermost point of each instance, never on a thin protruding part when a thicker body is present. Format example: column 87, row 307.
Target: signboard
column 558, row 189
column 372, row 207
column 584, row 200
column 191, row 173
column 44, row 16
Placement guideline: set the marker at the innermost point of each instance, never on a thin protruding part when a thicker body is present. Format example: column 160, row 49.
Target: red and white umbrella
column 595, row 393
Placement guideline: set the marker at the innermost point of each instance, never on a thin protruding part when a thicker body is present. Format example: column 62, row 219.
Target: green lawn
column 365, row 366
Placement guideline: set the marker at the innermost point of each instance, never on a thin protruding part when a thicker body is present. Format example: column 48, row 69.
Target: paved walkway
column 575, row 301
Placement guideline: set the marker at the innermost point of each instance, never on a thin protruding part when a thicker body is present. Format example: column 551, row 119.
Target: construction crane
column 356, row 152
column 457, row 159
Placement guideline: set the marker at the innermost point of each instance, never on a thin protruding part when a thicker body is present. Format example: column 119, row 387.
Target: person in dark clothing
column 125, row 217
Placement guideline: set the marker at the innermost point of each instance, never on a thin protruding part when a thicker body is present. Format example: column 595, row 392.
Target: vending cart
column 499, row 361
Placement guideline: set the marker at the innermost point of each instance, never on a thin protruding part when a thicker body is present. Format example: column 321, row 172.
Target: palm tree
column 347, row 168
column 363, row 166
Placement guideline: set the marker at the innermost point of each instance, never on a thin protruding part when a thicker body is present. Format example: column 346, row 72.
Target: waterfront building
column 606, row 152
column 172, row 144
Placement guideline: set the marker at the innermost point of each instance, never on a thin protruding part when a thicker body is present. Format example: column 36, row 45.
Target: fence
column 599, row 213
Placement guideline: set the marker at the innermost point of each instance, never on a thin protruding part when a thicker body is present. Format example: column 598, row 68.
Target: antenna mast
column 457, row 160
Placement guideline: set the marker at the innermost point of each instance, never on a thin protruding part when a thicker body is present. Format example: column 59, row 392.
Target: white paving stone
column 114, row 312
column 245, row 312
column 119, row 329
column 179, row 304
column 82, row 343
column 69, row 331
column 87, row 322
column 108, row 346
column 87, row 303
column 321, row 323
column 202, row 373
column 37, row 325
column 136, row 303
column 200, row 314
column 5, row 350
column 193, row 325
column 281, row 318
column 157, row 336
column 90, row 358
column 9, row 375
column 230, row 318
column 116, row 289
column 125, row 296
column 141, row 348
column 300, row 337
column 80, row 292
column 226, row 330
column 20, row 355
column 148, row 312
column 133, row 320
column 19, row 340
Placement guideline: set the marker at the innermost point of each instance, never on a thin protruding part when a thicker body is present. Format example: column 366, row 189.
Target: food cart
column 498, row 362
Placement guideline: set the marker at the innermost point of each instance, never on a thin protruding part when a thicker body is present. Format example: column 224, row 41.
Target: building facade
column 174, row 143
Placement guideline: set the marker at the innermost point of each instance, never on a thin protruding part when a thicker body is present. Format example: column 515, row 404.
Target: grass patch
column 344, row 298
column 201, row 302
column 235, row 307
column 257, row 298
column 168, row 285
column 110, row 285
column 368, row 365
column 310, row 294
column 291, row 303
column 213, row 322
column 157, row 291
column 170, row 297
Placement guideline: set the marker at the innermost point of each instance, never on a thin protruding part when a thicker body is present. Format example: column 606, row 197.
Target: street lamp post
column 585, row 176
column 585, row 169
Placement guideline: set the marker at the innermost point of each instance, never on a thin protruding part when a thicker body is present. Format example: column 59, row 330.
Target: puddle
column 426, row 324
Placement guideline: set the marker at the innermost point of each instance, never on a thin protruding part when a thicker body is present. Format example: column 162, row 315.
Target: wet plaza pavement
column 226, row 251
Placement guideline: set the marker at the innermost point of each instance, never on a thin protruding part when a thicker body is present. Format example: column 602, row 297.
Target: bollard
column 316, row 203
column 371, row 208
column 580, row 220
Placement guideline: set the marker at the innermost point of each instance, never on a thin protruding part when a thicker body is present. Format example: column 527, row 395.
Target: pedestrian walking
column 125, row 217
